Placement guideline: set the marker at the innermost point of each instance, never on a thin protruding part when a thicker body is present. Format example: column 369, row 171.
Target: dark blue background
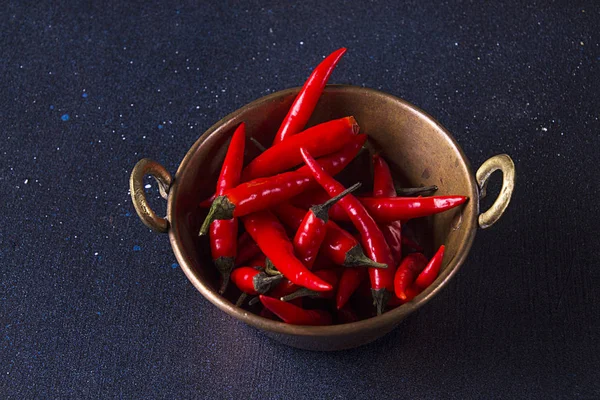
column 93, row 304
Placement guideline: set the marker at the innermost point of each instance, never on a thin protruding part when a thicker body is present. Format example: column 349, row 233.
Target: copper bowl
column 420, row 152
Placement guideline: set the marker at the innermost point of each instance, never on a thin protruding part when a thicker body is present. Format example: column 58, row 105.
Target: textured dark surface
column 91, row 302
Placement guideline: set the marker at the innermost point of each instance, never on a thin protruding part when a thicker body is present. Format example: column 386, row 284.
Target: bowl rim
column 374, row 323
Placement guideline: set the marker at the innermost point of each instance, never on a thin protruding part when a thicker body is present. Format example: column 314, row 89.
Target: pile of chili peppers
column 306, row 246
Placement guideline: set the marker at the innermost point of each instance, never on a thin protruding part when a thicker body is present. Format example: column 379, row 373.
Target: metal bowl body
column 420, row 152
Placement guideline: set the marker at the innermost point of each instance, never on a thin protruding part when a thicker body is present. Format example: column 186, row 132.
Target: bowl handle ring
column 145, row 167
column 505, row 164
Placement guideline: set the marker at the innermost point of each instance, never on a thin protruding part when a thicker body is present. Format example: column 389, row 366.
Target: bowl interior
column 418, row 149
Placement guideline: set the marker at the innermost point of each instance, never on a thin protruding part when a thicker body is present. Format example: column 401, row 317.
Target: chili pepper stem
column 241, row 299
column 263, row 283
column 380, row 299
column 355, row 257
column 416, row 190
column 224, row 266
column 258, row 144
column 302, row 292
column 321, row 211
column 221, row 208
column 270, row 268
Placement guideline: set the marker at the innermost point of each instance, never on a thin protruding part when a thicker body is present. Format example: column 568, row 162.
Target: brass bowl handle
column 136, row 186
column 505, row 164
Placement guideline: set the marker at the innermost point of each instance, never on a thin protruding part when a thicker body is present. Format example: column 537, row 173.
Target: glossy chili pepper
column 383, row 186
column 223, row 233
column 246, row 249
column 388, row 209
column 339, row 245
column 293, row 314
column 382, row 280
column 405, row 208
column 264, row 193
column 253, row 281
column 408, row 270
column 349, row 281
column 313, row 228
column 307, row 98
column 270, row 236
column 328, row 275
column 316, row 196
column 322, row 139
column 432, row 270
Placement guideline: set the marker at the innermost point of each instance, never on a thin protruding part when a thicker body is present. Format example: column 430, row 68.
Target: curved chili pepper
column 253, row 281
column 383, row 186
column 328, row 275
column 407, row 272
column 404, row 208
column 382, row 280
column 339, row 245
column 270, row 236
column 349, row 281
column 223, row 233
column 246, row 249
column 264, row 193
column 293, row 314
column 307, row 98
column 431, row 271
column 388, row 209
column 311, row 233
column 322, row 139
column 316, row 196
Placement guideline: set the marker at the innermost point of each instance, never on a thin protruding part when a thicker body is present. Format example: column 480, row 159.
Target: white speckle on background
column 148, row 186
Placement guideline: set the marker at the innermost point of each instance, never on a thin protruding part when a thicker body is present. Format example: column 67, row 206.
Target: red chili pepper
column 339, row 245
column 350, row 281
column 407, row 272
column 404, row 208
column 322, row 139
column 264, row 193
column 328, row 275
column 223, row 233
column 431, row 271
column 253, row 281
column 270, row 236
column 313, row 228
column 307, row 98
column 382, row 280
column 388, row 209
column 295, row 315
column 246, row 249
column 411, row 292
column 383, row 186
